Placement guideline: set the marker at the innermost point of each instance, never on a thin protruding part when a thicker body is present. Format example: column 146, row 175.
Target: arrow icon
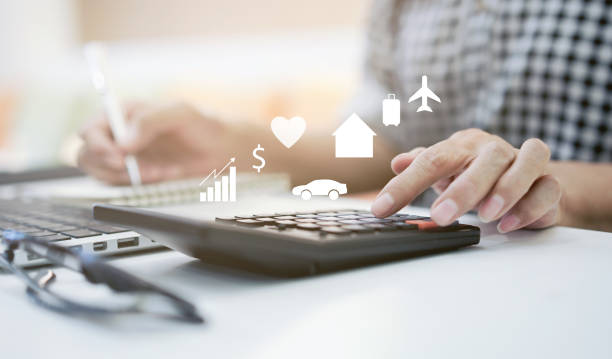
column 216, row 174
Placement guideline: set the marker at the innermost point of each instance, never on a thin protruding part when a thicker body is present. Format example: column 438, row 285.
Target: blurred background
column 244, row 59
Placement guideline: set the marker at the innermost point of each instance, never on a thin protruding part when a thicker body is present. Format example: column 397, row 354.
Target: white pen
column 95, row 54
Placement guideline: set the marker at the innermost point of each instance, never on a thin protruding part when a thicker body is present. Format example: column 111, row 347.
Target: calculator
column 295, row 243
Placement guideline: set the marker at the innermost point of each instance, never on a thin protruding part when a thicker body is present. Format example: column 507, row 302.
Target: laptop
column 55, row 205
column 68, row 224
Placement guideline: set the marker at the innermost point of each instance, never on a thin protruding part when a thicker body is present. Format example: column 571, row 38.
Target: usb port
column 99, row 246
column 127, row 242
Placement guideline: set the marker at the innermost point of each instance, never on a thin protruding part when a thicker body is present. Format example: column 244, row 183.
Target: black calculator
column 295, row 243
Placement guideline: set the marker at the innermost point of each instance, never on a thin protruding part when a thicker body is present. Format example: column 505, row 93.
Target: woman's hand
column 474, row 169
column 169, row 142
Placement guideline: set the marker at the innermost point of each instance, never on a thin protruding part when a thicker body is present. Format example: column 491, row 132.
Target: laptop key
column 80, row 233
column 102, row 228
column 42, row 234
column 25, row 229
column 55, row 238
column 60, row 228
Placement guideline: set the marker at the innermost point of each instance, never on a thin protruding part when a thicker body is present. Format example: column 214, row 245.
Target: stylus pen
column 95, row 54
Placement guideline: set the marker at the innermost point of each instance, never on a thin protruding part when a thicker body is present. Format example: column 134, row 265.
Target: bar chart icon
column 223, row 190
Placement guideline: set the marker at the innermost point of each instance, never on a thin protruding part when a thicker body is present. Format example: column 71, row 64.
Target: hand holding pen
column 95, row 54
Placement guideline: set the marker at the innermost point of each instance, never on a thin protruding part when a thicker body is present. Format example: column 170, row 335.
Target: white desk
column 545, row 294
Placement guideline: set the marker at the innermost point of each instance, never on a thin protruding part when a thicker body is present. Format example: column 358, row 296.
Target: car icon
column 320, row 187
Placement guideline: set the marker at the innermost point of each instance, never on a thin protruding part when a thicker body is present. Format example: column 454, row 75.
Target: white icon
column 289, row 131
column 391, row 110
column 354, row 139
column 321, row 187
column 423, row 93
column 258, row 157
column 224, row 190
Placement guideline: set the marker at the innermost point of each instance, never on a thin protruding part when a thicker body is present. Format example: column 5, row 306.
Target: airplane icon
column 423, row 93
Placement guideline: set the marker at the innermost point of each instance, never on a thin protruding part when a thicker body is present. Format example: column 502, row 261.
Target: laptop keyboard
column 51, row 222
column 340, row 222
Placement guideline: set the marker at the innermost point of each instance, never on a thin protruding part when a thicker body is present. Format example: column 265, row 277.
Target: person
column 523, row 133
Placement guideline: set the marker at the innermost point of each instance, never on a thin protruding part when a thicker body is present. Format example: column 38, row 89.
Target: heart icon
column 289, row 131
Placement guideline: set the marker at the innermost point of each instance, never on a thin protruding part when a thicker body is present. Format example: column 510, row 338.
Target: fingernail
column 383, row 205
column 508, row 223
column 491, row 208
column 445, row 212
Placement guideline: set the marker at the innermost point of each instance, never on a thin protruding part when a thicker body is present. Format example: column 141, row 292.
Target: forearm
column 587, row 194
column 313, row 157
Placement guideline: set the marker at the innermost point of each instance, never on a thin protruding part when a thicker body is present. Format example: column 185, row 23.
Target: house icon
column 354, row 138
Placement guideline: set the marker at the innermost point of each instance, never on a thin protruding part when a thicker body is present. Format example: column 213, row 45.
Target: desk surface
column 528, row 294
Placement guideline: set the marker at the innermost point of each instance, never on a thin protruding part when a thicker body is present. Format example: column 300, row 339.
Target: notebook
column 85, row 190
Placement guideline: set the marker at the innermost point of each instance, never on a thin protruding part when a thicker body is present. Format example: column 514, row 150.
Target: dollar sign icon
column 263, row 162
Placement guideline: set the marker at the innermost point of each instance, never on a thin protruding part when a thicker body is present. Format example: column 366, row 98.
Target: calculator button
column 308, row 226
column 358, row 228
column 334, row 230
column 326, row 213
column 286, row 223
column 450, row 228
column 266, row 219
column 285, row 217
column 422, row 223
column 404, row 217
column 350, row 221
column 349, row 216
column 307, row 215
column 250, row 222
column 405, row 226
column 376, row 220
column 305, row 220
column 328, row 218
column 265, row 215
column 380, row 226
column 327, row 223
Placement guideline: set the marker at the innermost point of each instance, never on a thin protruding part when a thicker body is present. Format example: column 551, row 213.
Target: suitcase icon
column 391, row 110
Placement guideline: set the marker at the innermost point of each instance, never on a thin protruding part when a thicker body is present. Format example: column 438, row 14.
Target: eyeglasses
column 147, row 298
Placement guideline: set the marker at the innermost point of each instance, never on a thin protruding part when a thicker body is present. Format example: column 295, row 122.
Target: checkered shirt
column 515, row 68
